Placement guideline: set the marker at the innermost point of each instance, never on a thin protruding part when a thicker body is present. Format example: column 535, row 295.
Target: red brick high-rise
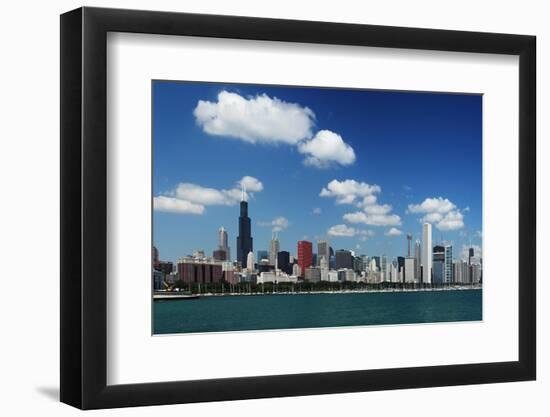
column 305, row 255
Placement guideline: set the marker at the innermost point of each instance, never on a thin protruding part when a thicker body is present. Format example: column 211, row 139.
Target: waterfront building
column 296, row 270
column 410, row 269
column 476, row 273
column 438, row 271
column 401, row 268
column 229, row 274
column 332, row 276
column 323, row 250
column 305, row 254
column 346, row 274
column 275, row 277
column 394, row 274
column 273, row 249
column 171, row 278
column 264, row 266
column 158, row 280
column 427, row 253
column 165, row 267
column 344, row 259
column 466, row 279
column 199, row 270
column 372, row 266
column 366, row 262
column 244, row 239
column 250, row 261
column 313, row 274
column 448, row 274
column 457, row 278
column 283, row 262
column 357, row 264
column 438, row 264
column 155, row 257
column 417, row 252
column 377, row 261
column 384, row 275
column 323, row 266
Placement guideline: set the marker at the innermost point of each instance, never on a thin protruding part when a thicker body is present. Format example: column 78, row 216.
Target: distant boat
column 174, row 296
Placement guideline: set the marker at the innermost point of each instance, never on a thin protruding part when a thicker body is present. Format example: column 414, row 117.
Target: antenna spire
column 243, row 192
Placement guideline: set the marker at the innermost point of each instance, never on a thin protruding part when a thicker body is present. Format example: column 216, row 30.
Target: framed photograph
column 257, row 208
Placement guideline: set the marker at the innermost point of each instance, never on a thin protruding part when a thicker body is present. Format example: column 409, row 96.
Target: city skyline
column 404, row 159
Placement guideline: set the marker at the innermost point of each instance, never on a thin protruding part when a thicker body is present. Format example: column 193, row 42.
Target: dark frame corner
column 83, row 207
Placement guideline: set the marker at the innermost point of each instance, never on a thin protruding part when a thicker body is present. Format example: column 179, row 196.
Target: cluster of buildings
column 424, row 263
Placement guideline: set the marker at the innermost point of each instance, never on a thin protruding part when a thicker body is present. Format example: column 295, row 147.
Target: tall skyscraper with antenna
column 409, row 240
column 244, row 239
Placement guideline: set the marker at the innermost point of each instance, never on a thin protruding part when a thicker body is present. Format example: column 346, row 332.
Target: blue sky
column 360, row 168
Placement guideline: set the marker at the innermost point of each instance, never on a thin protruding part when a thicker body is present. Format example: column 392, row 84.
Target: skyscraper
column 448, row 276
column 409, row 239
column 273, row 249
column 250, row 261
column 417, row 251
column 410, row 269
column 283, row 262
column 344, row 259
column 427, row 253
column 438, row 264
column 384, row 268
column 222, row 242
column 305, row 255
column 323, row 249
column 244, row 240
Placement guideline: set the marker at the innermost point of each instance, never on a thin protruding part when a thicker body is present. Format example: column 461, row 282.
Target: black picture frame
column 84, row 207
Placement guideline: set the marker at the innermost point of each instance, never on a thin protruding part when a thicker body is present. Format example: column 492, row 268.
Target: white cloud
column 325, row 149
column 341, row 230
column 373, row 219
column 189, row 198
column 174, row 205
column 317, row 210
column 347, row 191
column 377, row 209
column 255, row 119
column 453, row 220
column 432, row 217
column 205, row 195
column 278, row 224
column 393, row 232
column 251, row 184
column 350, row 191
column 440, row 211
column 431, row 205
column 367, row 201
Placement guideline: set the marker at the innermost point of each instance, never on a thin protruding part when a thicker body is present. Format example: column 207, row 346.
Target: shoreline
column 177, row 295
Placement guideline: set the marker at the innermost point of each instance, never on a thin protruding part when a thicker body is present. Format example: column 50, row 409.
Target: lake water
column 259, row 312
